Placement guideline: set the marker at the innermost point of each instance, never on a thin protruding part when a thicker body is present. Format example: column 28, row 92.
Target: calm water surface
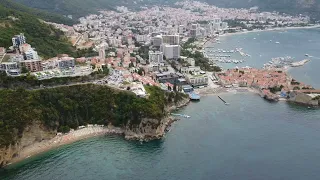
column 295, row 43
column 248, row 140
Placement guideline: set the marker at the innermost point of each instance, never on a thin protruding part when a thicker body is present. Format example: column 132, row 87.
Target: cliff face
column 147, row 129
column 150, row 129
column 32, row 134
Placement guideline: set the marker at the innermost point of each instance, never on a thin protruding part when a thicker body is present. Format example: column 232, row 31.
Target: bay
column 262, row 47
column 250, row 139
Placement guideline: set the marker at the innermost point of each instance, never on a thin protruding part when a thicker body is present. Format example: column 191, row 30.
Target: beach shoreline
column 271, row 29
column 65, row 139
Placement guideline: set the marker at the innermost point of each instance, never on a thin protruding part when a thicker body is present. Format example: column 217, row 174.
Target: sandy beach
column 63, row 139
column 272, row 29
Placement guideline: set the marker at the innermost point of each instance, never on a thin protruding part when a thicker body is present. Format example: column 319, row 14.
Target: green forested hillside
column 45, row 15
column 69, row 107
column 47, row 40
column 83, row 7
column 77, row 8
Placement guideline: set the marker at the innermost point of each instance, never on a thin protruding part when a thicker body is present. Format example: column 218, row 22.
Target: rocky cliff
column 36, row 133
column 33, row 133
column 150, row 129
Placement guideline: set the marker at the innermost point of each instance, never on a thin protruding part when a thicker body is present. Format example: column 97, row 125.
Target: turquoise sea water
column 249, row 139
column 295, row 43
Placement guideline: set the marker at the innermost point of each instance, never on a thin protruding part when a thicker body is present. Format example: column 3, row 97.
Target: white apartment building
column 155, row 57
column 11, row 68
column 5, row 66
column 18, row 40
column 217, row 20
column 194, row 31
column 197, row 80
column 102, row 52
column 16, row 58
column 170, row 51
column 141, row 38
column 157, row 41
column 181, row 29
column 192, row 69
column 31, row 54
column 171, row 39
column 66, row 62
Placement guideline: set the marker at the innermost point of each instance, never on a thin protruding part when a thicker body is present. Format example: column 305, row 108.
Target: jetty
column 223, row 100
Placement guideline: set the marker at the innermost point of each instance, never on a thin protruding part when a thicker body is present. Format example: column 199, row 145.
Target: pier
column 223, row 100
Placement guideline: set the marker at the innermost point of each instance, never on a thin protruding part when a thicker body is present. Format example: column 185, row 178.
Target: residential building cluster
column 263, row 80
column 22, row 58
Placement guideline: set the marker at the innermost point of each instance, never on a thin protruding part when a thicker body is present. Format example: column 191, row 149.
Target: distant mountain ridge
column 42, row 14
column 311, row 7
column 16, row 18
column 79, row 8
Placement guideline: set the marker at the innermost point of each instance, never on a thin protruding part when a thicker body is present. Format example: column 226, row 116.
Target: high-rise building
column 170, row 51
column 155, row 57
column 157, row 41
column 102, row 53
column 194, row 31
column 171, row 39
column 18, row 40
column 217, row 20
column 181, row 29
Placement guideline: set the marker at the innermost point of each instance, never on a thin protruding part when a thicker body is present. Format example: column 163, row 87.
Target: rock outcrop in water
column 150, row 129
column 303, row 98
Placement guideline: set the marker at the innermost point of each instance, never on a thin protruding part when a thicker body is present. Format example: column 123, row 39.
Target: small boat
column 307, row 55
column 277, row 42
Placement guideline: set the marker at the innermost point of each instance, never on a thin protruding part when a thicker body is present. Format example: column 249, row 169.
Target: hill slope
column 48, row 41
column 47, row 16
column 310, row 7
column 83, row 7
column 77, row 8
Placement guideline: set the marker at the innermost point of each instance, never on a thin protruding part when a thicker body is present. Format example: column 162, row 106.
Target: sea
column 262, row 47
column 249, row 139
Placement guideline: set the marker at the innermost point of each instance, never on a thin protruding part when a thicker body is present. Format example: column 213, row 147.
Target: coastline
column 64, row 139
column 92, row 131
column 271, row 29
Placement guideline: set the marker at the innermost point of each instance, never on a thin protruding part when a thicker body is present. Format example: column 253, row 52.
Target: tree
column 24, row 69
column 175, row 86
column 140, row 71
column 296, row 88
